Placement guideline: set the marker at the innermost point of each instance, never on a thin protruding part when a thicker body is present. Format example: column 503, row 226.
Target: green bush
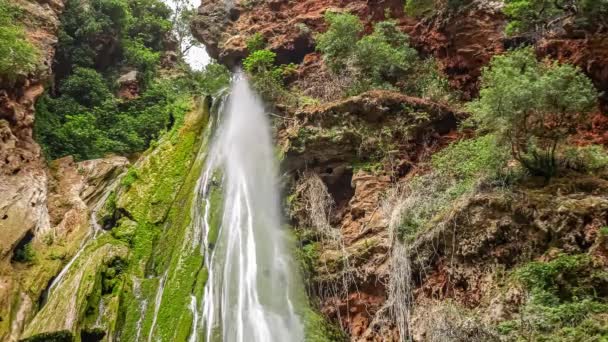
column 590, row 158
column 563, row 299
column 375, row 61
column 538, row 16
column 338, row 43
column 471, row 159
column 425, row 8
column 267, row 77
column 24, row 254
column 17, row 55
column 383, row 56
column 98, row 41
column 85, row 86
column 256, row 42
column 457, row 170
column 532, row 106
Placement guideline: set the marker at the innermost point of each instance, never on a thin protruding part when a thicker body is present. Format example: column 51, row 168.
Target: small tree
column 533, row 106
column 339, row 41
column 17, row 54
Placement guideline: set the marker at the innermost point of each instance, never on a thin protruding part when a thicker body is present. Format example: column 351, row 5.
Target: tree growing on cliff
column 17, row 54
column 533, row 106
column 531, row 17
column 376, row 60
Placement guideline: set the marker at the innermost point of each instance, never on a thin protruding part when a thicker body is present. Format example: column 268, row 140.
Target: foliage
column 86, row 87
column 17, row 55
column 338, row 42
column 66, row 127
column 532, row 106
column 470, row 159
column 25, row 253
column 267, row 77
column 256, row 42
column 428, row 82
column 538, row 16
column 424, row 8
column 144, row 59
column 383, row 56
column 98, row 41
column 212, row 79
column 590, row 158
column 380, row 60
column 183, row 14
column 564, row 298
column 457, row 170
column 129, row 178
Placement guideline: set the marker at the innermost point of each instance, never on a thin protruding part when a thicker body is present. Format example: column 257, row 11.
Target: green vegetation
column 425, row 8
column 532, row 106
column 267, row 77
column 537, row 16
column 98, row 42
column 564, row 300
column 17, row 54
column 256, row 42
column 457, row 171
column 338, row 43
column 380, row 60
column 24, row 254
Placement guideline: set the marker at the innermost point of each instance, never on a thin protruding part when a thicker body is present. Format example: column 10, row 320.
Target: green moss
column 58, row 336
column 129, row 178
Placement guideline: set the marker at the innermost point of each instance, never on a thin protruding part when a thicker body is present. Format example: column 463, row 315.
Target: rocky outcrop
column 23, row 180
column 62, row 222
column 463, row 259
column 287, row 25
column 18, row 151
column 357, row 147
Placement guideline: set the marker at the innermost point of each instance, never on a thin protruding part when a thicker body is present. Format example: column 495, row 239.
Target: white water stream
column 252, row 279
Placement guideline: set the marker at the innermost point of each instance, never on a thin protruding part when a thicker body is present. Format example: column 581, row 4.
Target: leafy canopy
column 376, row 60
column 17, row 55
column 538, row 16
column 532, row 106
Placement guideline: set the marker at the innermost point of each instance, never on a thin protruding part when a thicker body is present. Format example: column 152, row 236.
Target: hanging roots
column 318, row 205
column 400, row 299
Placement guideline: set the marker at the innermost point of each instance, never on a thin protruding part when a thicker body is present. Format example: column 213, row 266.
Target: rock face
column 22, row 176
column 341, row 144
column 357, row 149
column 74, row 188
column 23, row 179
column 463, row 41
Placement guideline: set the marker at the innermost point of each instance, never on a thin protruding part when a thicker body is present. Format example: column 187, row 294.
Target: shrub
column 17, row 54
column 424, row 8
column 563, row 298
column 532, row 106
column 212, row 79
column 338, row 42
column 456, row 172
column 383, row 56
column 144, row 59
column 85, row 86
column 538, row 16
column 471, row 159
column 587, row 158
column 24, row 254
column 376, row 61
column 256, row 42
column 267, row 77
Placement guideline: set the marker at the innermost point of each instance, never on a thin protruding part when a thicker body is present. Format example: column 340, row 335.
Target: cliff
column 350, row 163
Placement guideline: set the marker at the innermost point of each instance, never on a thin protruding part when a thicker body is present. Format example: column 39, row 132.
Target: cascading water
column 252, row 279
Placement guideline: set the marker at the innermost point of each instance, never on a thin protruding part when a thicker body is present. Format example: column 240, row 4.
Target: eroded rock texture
column 361, row 147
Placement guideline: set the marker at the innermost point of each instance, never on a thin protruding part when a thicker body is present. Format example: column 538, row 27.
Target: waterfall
column 252, row 279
